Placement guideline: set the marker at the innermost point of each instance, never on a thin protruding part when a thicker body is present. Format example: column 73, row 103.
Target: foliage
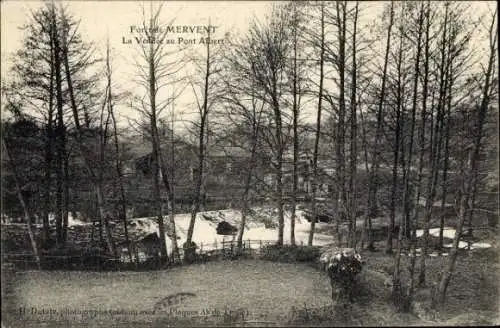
column 289, row 253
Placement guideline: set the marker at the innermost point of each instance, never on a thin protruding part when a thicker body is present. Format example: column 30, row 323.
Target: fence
column 94, row 261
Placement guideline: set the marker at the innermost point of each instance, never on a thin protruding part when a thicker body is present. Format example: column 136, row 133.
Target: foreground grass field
column 264, row 289
column 243, row 293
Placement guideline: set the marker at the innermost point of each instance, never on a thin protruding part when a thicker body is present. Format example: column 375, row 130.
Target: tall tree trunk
column 295, row 110
column 66, row 199
column 318, row 126
column 407, row 172
column 248, row 183
column 94, row 178
column 170, row 208
column 49, row 149
column 169, row 187
column 435, row 147
column 60, row 131
column 340, row 133
column 198, row 192
column 418, row 183
column 412, row 226
column 397, row 145
column 471, row 167
column 373, row 186
column 353, row 142
column 406, row 198
column 155, row 143
column 27, row 214
column 118, row 164
column 48, row 180
column 279, row 176
column 446, row 158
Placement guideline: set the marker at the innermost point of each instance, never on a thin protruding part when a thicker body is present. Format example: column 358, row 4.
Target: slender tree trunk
column 201, row 156
column 472, row 201
column 435, row 148
column 340, row 133
column 353, row 137
column 244, row 198
column 446, row 160
column 60, row 132
column 48, row 149
column 175, row 246
column 397, row 145
column 95, row 180
column 318, row 126
column 471, row 168
column 373, row 186
column 170, row 208
column 66, row 199
column 406, row 198
column 169, row 187
column 27, row 214
column 412, row 226
column 48, row 180
column 397, row 289
column 279, row 154
column 118, row 163
column 279, row 183
column 245, row 206
column 295, row 110
column 155, row 143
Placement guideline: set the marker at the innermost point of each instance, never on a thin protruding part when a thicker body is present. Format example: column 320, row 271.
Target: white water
column 205, row 235
column 205, row 230
column 450, row 233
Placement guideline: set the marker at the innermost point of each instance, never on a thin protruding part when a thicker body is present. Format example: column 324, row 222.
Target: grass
column 264, row 292
column 265, row 289
column 289, row 253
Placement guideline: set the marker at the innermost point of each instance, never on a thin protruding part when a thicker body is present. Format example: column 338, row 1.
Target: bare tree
column 116, row 144
column 321, row 40
column 62, row 56
column 353, row 134
column 205, row 102
column 34, row 72
column 152, row 74
column 296, row 85
column 398, row 291
column 471, row 162
column 269, row 45
column 245, row 112
column 373, row 184
column 421, row 141
column 340, row 198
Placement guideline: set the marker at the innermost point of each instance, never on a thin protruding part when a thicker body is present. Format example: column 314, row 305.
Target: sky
column 115, row 19
column 100, row 20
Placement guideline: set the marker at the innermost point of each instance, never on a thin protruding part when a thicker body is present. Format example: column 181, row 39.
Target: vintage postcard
column 249, row 163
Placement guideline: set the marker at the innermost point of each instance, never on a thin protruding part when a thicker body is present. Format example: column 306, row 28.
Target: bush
column 189, row 252
column 279, row 253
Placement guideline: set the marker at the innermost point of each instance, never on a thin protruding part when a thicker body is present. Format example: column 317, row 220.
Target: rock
column 225, row 228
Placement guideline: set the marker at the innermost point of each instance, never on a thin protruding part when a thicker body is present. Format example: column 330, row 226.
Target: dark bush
column 290, row 253
column 189, row 252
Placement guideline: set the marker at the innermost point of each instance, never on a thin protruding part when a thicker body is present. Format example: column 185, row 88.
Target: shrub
column 189, row 251
column 279, row 253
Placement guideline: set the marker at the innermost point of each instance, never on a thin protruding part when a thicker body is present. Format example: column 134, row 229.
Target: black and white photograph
column 249, row 163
